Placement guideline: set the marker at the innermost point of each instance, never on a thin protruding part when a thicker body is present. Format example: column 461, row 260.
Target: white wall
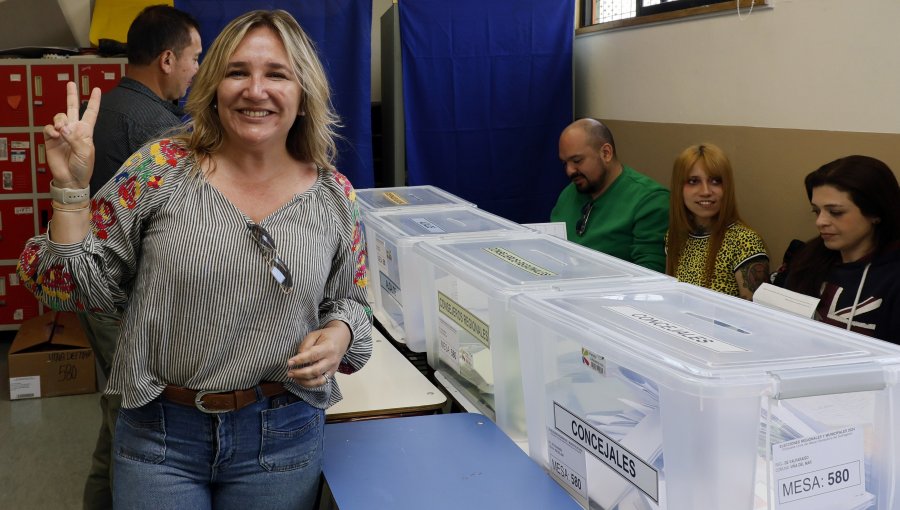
column 78, row 15
column 64, row 23
column 807, row 64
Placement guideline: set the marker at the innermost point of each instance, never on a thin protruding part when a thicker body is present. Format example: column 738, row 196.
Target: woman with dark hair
column 853, row 266
column 707, row 243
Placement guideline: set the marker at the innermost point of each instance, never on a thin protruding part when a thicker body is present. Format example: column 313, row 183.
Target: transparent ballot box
column 407, row 198
column 675, row 397
column 469, row 332
column 395, row 275
column 404, row 197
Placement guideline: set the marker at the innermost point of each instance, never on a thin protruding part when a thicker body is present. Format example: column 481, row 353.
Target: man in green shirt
column 608, row 206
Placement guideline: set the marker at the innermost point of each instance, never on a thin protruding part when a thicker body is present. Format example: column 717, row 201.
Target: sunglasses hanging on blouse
column 277, row 268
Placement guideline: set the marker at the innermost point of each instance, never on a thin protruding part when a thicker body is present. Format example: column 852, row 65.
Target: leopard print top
column 740, row 245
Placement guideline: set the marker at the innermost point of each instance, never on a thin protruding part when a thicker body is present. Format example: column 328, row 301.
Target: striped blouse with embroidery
column 200, row 307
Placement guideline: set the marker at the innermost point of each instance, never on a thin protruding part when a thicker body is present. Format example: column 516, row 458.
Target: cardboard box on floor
column 51, row 356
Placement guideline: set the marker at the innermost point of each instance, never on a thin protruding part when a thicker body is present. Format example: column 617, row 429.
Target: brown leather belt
column 220, row 401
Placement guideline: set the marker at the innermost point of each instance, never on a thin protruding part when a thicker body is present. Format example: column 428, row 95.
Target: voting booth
column 676, row 397
column 470, row 333
column 393, row 266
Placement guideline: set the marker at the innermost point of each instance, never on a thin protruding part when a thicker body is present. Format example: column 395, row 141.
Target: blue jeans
column 267, row 455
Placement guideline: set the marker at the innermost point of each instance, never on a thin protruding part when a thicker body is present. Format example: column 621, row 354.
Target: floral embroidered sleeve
column 345, row 290
column 95, row 274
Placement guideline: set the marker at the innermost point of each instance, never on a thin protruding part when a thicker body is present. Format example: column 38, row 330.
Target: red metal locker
column 42, row 170
column 13, row 96
column 16, row 226
column 17, row 304
column 15, row 163
column 48, row 90
column 105, row 76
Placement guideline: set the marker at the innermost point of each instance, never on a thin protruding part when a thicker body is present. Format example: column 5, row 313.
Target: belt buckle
column 198, row 402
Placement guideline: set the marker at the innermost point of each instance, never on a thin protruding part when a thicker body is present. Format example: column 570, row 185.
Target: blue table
column 457, row 461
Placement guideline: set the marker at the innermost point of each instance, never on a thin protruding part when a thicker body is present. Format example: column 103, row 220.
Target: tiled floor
column 45, row 447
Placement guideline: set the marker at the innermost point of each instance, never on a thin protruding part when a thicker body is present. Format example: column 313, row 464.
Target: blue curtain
column 342, row 31
column 487, row 89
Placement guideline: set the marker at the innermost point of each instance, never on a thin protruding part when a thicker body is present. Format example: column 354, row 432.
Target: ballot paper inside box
column 470, row 333
column 679, row 397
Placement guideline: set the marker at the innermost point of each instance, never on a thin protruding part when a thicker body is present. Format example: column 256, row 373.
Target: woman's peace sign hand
column 69, row 141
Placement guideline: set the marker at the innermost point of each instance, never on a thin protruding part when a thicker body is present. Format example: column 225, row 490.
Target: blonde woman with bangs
column 234, row 250
column 708, row 244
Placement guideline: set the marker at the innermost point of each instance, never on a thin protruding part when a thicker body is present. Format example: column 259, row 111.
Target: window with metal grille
column 599, row 14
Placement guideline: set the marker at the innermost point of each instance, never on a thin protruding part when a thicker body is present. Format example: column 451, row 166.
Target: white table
column 387, row 386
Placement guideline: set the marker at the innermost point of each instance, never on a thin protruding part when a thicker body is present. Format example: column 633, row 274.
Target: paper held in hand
column 787, row 300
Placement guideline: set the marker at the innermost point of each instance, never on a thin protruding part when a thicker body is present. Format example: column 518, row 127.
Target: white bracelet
column 69, row 195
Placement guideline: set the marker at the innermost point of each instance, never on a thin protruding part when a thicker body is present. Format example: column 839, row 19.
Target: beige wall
column 769, row 166
column 783, row 91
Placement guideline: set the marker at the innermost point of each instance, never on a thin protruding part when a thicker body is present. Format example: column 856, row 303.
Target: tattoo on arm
column 753, row 274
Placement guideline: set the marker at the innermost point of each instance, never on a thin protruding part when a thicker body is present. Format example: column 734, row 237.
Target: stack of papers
column 786, row 300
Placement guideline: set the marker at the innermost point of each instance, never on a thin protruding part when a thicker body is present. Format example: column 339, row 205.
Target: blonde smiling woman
column 234, row 249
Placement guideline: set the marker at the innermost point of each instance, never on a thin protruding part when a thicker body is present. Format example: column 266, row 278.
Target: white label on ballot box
column 679, row 331
column 567, row 462
column 448, row 348
column 620, row 459
column 390, row 286
column 381, row 252
column 429, row 227
column 823, row 471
